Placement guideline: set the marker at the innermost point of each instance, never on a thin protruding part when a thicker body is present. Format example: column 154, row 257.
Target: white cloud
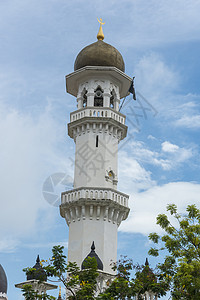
column 156, row 79
column 184, row 110
column 189, row 121
column 151, row 137
column 165, row 164
column 169, row 156
column 132, row 176
column 168, row 147
column 177, row 155
column 159, row 83
column 147, row 205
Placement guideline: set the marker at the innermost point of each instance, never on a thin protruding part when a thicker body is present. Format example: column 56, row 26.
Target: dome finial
column 100, row 35
column 59, row 296
column 146, row 262
column 93, row 246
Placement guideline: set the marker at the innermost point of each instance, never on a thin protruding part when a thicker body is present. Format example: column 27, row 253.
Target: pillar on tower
column 95, row 208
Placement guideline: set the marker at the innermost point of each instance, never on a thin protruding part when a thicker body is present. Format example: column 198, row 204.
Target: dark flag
column 132, row 89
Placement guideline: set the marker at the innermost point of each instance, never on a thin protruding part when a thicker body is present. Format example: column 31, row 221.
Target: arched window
column 98, row 97
column 111, row 175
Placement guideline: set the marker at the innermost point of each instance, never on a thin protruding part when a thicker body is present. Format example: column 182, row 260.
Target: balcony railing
column 102, row 112
column 95, row 193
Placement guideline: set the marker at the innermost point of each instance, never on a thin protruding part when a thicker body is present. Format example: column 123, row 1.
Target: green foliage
column 87, row 280
column 180, row 271
column 82, row 284
column 182, row 264
column 121, row 286
column 30, row 294
column 125, row 286
column 57, row 263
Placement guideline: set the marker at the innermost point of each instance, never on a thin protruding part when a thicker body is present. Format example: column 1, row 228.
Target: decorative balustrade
column 97, row 112
column 95, row 194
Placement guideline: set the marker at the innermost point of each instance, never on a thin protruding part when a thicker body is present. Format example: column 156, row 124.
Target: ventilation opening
column 97, row 141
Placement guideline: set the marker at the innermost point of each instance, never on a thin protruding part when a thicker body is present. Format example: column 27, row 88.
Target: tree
column 132, row 280
column 81, row 284
column 182, row 241
column 30, row 294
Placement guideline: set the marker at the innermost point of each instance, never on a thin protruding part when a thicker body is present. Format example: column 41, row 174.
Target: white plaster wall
column 104, row 234
column 93, row 163
column 92, row 166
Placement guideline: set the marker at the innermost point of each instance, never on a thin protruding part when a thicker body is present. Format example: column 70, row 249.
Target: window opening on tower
column 84, row 95
column 98, row 97
column 97, row 141
column 112, row 100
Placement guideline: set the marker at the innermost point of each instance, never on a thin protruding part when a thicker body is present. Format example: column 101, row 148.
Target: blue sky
column 159, row 163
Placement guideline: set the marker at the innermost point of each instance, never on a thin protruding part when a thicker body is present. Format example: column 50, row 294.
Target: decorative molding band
column 97, row 125
column 94, row 210
column 94, row 203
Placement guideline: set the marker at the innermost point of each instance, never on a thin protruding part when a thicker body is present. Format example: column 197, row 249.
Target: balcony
column 99, row 112
column 95, row 194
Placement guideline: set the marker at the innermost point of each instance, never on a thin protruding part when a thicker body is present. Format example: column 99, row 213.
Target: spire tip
column 100, row 35
column 59, row 291
column 93, row 246
column 146, row 262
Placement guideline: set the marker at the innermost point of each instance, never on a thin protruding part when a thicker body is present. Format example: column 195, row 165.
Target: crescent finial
column 100, row 35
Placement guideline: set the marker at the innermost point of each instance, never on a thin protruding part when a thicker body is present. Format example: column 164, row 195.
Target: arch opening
column 98, row 97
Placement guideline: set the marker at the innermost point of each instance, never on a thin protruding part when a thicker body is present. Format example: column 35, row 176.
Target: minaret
column 94, row 209
column 37, row 279
column 148, row 273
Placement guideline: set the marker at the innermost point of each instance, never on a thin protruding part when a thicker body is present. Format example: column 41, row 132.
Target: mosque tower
column 94, row 209
column 37, row 279
column 149, row 275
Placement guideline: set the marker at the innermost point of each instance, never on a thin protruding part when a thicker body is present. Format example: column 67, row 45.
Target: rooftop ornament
column 100, row 35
